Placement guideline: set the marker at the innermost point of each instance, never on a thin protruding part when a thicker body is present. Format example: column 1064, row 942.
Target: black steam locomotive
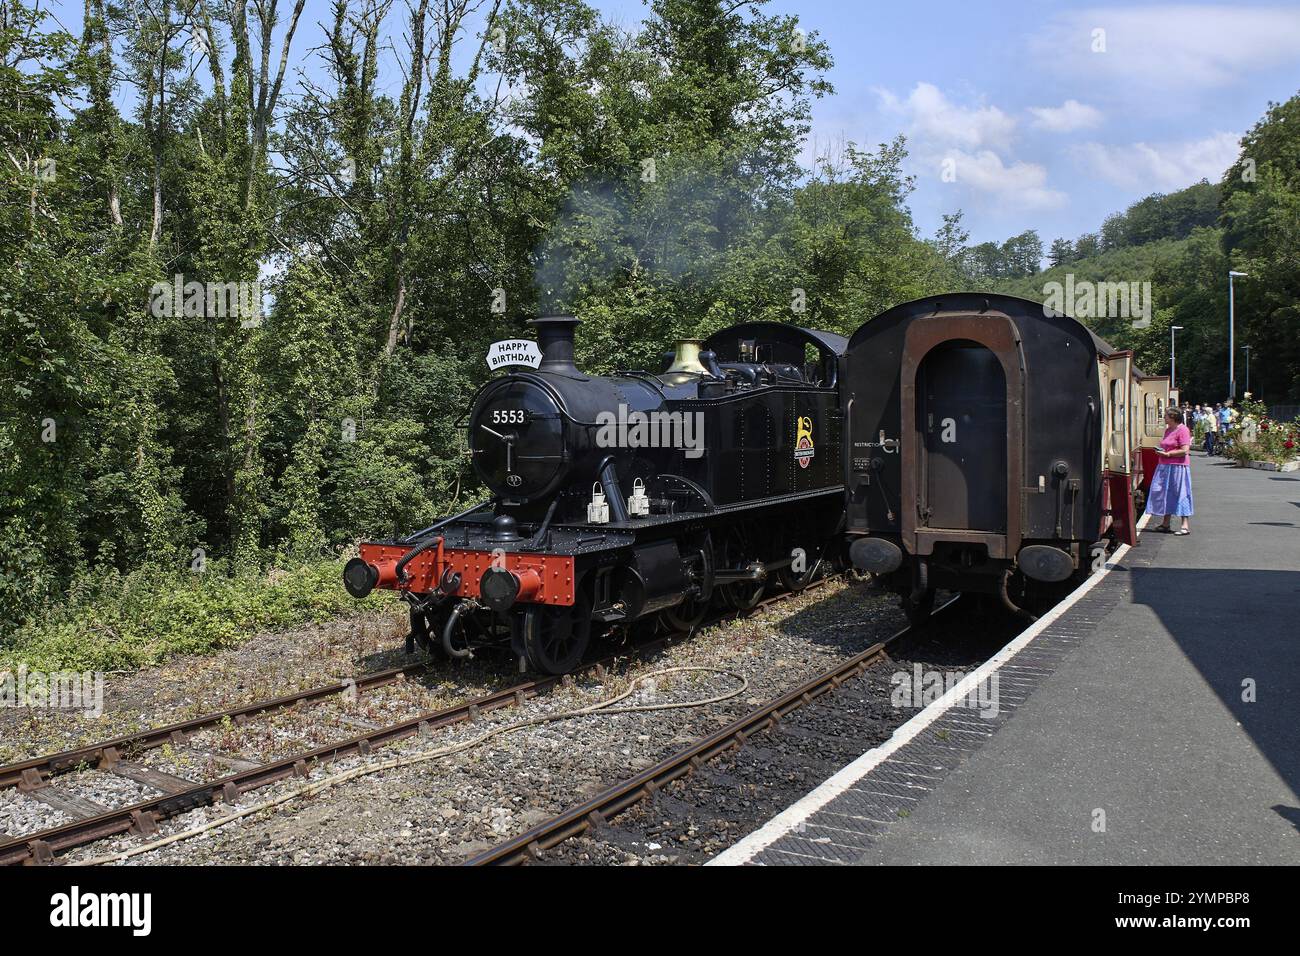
column 618, row 498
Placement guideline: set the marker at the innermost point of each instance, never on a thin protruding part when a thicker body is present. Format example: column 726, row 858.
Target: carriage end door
column 1119, row 427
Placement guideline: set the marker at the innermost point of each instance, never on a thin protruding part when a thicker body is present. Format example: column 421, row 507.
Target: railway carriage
column 990, row 444
column 629, row 497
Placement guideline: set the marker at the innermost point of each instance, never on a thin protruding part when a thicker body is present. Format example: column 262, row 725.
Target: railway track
column 33, row 774
column 591, row 814
column 179, row 795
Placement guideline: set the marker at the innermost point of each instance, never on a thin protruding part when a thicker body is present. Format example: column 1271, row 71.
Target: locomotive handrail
column 417, row 535
column 555, row 396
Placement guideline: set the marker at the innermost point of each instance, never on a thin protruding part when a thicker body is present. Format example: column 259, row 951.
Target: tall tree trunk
column 160, row 125
column 101, row 88
column 395, row 323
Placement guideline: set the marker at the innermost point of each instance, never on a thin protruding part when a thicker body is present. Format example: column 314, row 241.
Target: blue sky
column 1034, row 127
column 1040, row 130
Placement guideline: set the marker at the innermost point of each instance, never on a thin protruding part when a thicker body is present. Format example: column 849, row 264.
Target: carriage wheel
column 555, row 638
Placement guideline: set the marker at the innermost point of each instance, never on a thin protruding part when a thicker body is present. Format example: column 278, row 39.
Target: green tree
column 1261, row 220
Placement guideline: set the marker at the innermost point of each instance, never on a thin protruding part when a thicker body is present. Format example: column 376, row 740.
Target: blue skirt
column 1171, row 491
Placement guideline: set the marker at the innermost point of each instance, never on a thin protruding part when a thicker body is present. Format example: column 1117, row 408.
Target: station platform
column 1153, row 718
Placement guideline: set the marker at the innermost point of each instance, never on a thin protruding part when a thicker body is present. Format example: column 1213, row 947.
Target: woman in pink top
column 1171, row 486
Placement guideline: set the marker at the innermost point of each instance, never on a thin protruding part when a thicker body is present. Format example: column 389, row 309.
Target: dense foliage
column 1255, row 436
column 530, row 157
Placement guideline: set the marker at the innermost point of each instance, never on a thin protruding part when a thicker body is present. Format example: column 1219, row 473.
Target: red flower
column 1288, row 444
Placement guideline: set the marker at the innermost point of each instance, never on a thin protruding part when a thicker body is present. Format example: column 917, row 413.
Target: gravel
column 698, row 817
column 21, row 815
column 106, row 789
column 266, row 665
column 446, row 810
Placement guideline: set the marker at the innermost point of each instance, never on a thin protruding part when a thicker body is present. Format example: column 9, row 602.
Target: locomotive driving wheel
column 698, row 560
column 555, row 638
column 687, row 615
column 745, row 595
column 795, row 581
column 738, row 553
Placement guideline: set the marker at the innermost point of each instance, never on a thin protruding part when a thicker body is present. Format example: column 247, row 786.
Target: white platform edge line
column 785, row 821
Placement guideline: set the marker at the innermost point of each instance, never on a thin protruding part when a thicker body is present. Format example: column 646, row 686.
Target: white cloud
column 1066, row 118
column 1018, row 184
column 934, row 119
column 1171, row 46
column 965, row 145
column 1163, row 167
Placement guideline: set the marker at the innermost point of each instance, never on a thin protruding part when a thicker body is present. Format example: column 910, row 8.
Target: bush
column 113, row 622
column 1256, row 437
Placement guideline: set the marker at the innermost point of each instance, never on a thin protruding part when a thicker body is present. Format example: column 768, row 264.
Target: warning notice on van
column 514, row 352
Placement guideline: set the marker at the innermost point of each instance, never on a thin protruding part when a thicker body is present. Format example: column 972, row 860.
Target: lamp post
column 1232, row 348
column 1173, row 357
column 1246, row 349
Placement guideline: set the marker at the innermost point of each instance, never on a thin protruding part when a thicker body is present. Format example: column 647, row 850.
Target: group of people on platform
column 1218, row 419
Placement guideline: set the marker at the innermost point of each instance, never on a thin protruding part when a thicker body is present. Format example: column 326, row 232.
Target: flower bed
column 1257, row 441
column 1293, row 465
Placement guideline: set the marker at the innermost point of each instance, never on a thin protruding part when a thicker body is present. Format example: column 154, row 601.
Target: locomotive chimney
column 555, row 340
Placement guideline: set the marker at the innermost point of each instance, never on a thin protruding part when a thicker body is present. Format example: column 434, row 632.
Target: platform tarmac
column 1154, row 720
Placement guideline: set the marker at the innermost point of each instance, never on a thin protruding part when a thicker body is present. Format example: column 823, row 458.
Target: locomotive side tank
column 989, row 445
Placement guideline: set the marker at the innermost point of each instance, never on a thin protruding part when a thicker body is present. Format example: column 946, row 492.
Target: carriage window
column 1117, row 418
column 1155, row 416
